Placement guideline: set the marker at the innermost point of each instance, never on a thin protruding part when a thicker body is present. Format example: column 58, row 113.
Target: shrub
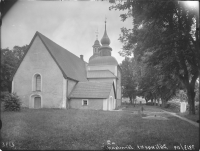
column 167, row 105
column 11, row 102
column 3, row 94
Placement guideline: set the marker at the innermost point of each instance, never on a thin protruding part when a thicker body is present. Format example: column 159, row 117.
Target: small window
column 84, row 102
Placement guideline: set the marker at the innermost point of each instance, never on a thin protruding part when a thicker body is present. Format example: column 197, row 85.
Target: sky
column 70, row 24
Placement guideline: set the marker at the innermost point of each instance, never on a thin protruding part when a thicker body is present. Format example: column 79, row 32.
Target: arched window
column 38, row 82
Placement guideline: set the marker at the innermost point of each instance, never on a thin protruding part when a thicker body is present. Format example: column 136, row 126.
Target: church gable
column 37, row 57
column 71, row 66
column 38, row 61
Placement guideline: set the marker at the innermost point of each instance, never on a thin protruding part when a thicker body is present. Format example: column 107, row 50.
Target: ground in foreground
column 61, row 129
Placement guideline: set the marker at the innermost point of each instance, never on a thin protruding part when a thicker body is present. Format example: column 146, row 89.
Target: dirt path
column 154, row 111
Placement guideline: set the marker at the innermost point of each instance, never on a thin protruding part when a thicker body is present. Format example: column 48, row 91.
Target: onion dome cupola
column 105, row 49
column 105, row 39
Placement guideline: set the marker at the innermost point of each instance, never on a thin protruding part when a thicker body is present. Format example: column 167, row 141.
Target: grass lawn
column 61, row 129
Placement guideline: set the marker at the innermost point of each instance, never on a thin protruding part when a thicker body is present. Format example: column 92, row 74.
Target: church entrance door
column 37, row 102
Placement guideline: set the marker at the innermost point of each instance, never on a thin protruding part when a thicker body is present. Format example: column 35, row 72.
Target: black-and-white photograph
column 99, row 75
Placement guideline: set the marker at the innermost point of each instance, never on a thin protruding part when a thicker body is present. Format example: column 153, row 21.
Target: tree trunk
column 191, row 95
column 151, row 100
column 10, row 86
column 159, row 101
column 190, row 86
column 146, row 99
column 154, row 99
column 199, row 85
column 131, row 100
column 163, row 103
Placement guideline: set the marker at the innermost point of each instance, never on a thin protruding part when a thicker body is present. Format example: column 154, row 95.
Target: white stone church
column 50, row 76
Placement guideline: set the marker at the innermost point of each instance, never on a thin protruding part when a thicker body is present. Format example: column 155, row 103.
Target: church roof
column 86, row 90
column 103, row 60
column 93, row 56
column 100, row 74
column 71, row 66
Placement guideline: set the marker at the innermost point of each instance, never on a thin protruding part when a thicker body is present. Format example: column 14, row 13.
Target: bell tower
column 96, row 47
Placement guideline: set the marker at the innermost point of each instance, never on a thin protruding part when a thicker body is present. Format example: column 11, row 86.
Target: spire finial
column 97, row 34
column 105, row 40
column 105, row 22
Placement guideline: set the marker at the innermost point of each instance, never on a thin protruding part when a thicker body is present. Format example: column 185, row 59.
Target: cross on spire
column 97, row 34
column 105, row 22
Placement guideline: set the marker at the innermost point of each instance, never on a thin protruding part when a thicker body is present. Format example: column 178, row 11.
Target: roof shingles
column 92, row 90
column 72, row 66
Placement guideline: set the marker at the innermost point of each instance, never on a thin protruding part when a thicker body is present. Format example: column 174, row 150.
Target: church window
column 37, row 86
column 38, row 83
column 84, row 102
